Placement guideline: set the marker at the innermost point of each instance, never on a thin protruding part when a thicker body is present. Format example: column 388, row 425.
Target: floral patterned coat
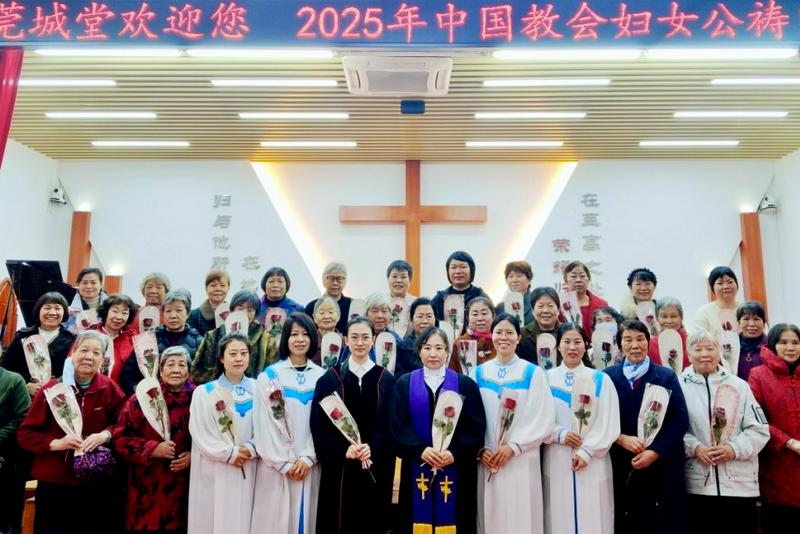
column 158, row 499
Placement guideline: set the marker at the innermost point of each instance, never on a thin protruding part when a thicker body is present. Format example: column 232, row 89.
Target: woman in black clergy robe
column 448, row 498
column 351, row 501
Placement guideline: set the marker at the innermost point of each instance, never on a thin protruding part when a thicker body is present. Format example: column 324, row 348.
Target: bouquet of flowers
column 454, row 312
column 570, row 307
column 225, row 418
column 445, row 418
column 145, row 347
column 331, row 349
column 336, row 410
column 65, row 409
column 468, row 355
column 154, row 407
column 583, row 401
column 505, row 418
column 670, row 345
column 149, row 318
column 652, row 412
column 37, row 356
column 514, row 303
column 385, row 342
column 273, row 321
column 546, row 348
column 399, row 317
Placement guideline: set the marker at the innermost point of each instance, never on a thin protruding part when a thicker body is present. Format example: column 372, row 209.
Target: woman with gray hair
column 173, row 332
column 669, row 313
column 334, row 278
column 263, row 348
column 154, row 288
column 727, row 430
column 158, row 467
column 60, row 493
column 379, row 314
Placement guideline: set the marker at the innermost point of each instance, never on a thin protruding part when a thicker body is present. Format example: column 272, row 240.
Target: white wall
column 779, row 233
column 32, row 228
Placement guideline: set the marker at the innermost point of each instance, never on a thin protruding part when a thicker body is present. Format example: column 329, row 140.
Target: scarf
column 207, row 311
column 635, row 371
column 479, row 335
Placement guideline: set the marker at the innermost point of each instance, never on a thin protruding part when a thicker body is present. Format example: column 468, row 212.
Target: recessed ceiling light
column 294, row 115
column 533, row 54
column 309, row 144
column 514, row 144
column 274, row 82
column 783, row 80
column 731, row 114
column 260, row 53
column 109, row 52
column 703, row 54
column 547, row 82
column 142, row 144
column 65, row 82
column 100, row 115
column 689, row 143
column 531, row 115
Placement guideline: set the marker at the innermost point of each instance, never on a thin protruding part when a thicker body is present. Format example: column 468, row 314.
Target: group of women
column 259, row 431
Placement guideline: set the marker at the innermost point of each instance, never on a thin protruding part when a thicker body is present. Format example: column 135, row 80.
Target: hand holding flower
column 573, row 440
column 702, row 454
column 503, row 455
column 721, row 454
column 631, row 443
column 433, row 458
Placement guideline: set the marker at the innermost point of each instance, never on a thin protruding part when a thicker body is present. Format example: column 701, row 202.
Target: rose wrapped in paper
column 582, row 414
column 275, row 325
column 37, row 357
column 719, row 424
column 225, row 423
column 453, row 318
column 273, row 397
column 65, row 411
column 156, row 400
column 505, row 418
column 544, row 358
column 395, row 314
column 651, row 325
column 651, row 422
column 330, row 359
column 606, row 349
column 464, row 347
column 445, row 419
column 387, row 354
column 673, row 359
column 336, row 410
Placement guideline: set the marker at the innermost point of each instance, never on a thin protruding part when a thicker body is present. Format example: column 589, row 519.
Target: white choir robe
column 512, row 501
column 283, row 505
column 220, row 499
column 580, row 502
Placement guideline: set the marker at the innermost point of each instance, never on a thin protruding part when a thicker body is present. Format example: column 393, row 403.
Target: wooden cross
column 412, row 215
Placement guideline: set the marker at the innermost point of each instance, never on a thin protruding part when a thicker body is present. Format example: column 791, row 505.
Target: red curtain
column 10, row 67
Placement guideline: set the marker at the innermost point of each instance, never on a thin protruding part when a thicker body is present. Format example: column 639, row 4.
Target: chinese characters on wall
column 221, row 244
column 586, row 247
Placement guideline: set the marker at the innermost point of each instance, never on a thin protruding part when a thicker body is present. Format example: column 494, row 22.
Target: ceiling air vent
column 397, row 76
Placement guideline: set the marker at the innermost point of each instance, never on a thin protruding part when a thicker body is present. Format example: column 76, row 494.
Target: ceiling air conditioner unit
column 397, row 75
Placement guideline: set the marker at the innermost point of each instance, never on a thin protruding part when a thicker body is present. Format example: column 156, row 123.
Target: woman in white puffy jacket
column 727, row 429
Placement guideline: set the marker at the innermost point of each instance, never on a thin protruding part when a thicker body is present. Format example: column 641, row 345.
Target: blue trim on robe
column 242, row 407
column 304, row 397
column 598, row 383
column 209, row 387
column 270, row 372
column 522, row 383
column 559, row 393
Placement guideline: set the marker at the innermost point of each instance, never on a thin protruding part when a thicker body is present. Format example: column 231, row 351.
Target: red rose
column 147, row 323
column 545, row 352
column 655, row 406
column 719, row 413
column 450, row 411
column 60, row 399
column 275, row 318
column 584, row 399
column 463, row 345
column 276, row 395
column 85, row 323
column 31, row 346
column 515, row 306
column 673, row 353
column 152, row 393
column 649, row 318
column 567, row 306
column 333, row 348
column 388, row 346
column 510, row 404
column 606, row 346
column 336, row 414
column 220, row 406
column 397, row 308
column 727, row 326
column 453, row 311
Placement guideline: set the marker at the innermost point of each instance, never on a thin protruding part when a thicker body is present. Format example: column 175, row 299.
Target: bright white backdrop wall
column 680, row 218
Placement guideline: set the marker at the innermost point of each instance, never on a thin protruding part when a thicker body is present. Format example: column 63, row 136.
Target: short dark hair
column 89, row 270
column 51, row 297
column 358, row 320
column 751, row 307
column 775, row 334
column 568, row 327
column 718, row 272
column 544, row 291
column 571, row 266
column 507, row 317
column 427, row 334
column 632, row 324
column 520, row 266
column 422, row 301
column 115, row 300
column 307, row 324
column 245, row 296
column 460, row 255
column 608, row 310
column 481, row 300
column 275, row 271
column 223, row 344
column 644, row 274
column 400, row 265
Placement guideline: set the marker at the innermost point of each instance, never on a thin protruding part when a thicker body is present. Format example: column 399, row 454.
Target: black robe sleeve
column 470, row 432
column 381, row 443
column 329, row 444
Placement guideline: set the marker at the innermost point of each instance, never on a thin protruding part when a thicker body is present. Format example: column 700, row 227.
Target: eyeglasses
column 336, row 279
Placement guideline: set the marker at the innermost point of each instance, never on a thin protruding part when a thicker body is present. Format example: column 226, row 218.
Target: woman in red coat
column 158, row 470
column 60, row 496
column 116, row 315
column 776, row 387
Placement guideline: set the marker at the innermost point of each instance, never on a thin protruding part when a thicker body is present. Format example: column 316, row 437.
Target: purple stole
column 433, row 498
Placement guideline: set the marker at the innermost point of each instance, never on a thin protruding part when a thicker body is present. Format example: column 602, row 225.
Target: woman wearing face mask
column 721, row 447
column 669, row 313
column 415, row 398
column 481, row 314
column 48, row 312
column 157, row 467
column 422, row 318
column 353, row 499
column 649, row 488
column 577, row 468
column 775, row 385
column 263, row 347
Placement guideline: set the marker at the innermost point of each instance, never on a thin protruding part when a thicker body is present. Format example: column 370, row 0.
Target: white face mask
column 611, row 327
